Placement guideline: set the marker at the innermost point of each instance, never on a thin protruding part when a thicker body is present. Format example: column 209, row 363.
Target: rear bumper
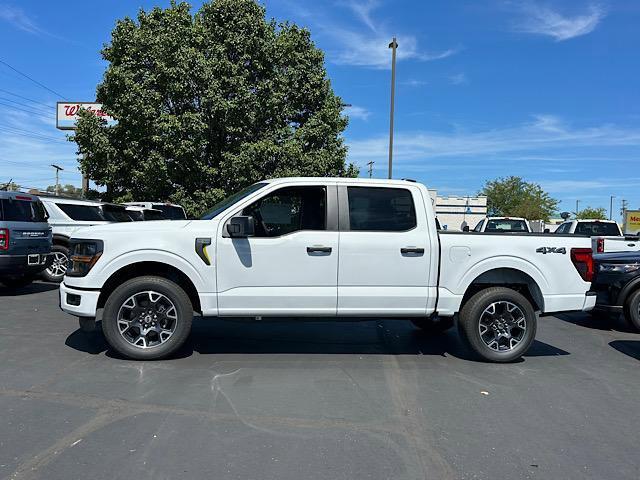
column 20, row 264
column 82, row 303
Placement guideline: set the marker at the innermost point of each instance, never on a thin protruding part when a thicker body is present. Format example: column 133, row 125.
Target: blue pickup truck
column 25, row 239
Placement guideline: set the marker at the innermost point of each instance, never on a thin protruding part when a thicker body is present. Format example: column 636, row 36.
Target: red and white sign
column 67, row 113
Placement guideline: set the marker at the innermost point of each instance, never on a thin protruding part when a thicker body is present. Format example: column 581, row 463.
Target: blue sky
column 485, row 88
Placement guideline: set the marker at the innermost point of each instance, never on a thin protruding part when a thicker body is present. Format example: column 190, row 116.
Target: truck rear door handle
column 318, row 249
column 407, row 250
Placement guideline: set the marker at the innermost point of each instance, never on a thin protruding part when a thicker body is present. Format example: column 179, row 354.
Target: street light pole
column 393, row 46
column 57, row 178
column 577, row 208
column 611, row 206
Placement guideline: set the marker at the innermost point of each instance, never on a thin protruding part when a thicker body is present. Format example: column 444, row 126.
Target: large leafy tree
column 513, row 196
column 208, row 103
column 599, row 213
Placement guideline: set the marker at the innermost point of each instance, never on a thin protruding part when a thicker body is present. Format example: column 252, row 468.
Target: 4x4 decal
column 546, row 250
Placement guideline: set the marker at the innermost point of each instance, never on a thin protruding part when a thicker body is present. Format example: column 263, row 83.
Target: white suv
column 66, row 215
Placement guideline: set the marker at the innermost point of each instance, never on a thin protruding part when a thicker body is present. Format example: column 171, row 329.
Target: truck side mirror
column 241, row 226
column 465, row 228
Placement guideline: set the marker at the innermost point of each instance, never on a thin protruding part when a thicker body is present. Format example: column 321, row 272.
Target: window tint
column 597, row 229
column 479, row 226
column 381, row 209
column 114, row 213
column 221, row 206
column 563, row 228
column 506, row 226
column 170, row 212
column 288, row 210
column 12, row 210
column 153, row 215
column 82, row 213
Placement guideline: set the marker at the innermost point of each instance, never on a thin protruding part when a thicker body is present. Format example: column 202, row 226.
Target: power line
column 34, row 136
column 31, row 132
column 33, row 112
column 26, row 98
column 33, row 80
column 35, row 108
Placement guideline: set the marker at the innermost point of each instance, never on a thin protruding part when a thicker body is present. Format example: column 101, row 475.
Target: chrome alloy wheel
column 502, row 326
column 59, row 265
column 147, row 319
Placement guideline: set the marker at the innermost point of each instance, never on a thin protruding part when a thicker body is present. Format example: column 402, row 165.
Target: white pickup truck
column 606, row 236
column 322, row 248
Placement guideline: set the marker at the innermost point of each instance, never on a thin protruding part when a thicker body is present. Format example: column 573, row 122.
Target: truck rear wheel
column 632, row 310
column 147, row 318
column 498, row 324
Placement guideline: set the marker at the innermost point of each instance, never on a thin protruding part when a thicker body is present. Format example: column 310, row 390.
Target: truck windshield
column 506, row 225
column 170, row 212
column 220, row 207
column 593, row 229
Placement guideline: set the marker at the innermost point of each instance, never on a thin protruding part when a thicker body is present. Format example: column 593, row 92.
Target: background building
column 452, row 212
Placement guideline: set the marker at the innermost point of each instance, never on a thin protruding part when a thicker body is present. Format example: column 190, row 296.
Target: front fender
column 106, row 270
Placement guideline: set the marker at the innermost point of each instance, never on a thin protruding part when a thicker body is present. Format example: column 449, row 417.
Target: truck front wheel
column 498, row 324
column 147, row 318
column 632, row 310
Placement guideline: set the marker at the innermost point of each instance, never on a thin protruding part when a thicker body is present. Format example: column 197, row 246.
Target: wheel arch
column 159, row 269
column 507, row 277
column 59, row 239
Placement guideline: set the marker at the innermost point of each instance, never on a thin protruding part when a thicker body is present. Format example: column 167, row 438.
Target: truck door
column 384, row 264
column 290, row 266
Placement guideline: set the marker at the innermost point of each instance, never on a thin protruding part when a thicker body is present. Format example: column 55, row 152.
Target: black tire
column 433, row 326
column 116, row 301
column 631, row 312
column 474, row 312
column 17, row 282
column 54, row 273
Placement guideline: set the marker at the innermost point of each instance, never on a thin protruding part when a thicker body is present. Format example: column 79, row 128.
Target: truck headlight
column 618, row 267
column 83, row 255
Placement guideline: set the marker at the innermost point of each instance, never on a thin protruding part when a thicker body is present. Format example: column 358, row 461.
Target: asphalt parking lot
column 366, row 400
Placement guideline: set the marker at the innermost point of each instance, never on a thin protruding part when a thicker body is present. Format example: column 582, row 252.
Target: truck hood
column 134, row 228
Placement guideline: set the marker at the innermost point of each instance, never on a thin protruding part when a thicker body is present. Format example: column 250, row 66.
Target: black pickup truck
column 25, row 239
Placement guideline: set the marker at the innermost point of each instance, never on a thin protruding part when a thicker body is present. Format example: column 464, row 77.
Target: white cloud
column 545, row 134
column 458, row 79
column 413, row 83
column 370, row 47
column 360, row 113
column 542, row 20
column 19, row 19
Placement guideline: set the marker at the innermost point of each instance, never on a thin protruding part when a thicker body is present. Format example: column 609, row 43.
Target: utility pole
column 371, row 168
column 57, row 178
column 393, row 46
column 611, row 206
column 623, row 208
column 577, row 208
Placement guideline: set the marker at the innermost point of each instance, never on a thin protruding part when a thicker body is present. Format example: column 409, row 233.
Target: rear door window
column 17, row 210
column 82, row 213
column 376, row 209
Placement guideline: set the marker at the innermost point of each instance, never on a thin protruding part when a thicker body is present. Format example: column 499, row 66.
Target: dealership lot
column 375, row 399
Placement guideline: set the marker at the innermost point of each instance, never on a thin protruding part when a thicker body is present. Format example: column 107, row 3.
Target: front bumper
column 24, row 264
column 82, row 303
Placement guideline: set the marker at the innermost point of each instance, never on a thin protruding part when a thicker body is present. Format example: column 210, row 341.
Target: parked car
column 503, row 225
column 140, row 214
column 321, row 248
column 606, row 235
column 25, row 239
column 617, row 284
column 66, row 215
column 169, row 210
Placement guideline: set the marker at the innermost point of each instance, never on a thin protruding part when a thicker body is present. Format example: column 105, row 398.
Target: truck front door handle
column 407, row 250
column 318, row 249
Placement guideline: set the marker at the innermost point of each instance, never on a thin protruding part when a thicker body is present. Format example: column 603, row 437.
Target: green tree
column 592, row 213
column 67, row 190
column 513, row 196
column 208, row 103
